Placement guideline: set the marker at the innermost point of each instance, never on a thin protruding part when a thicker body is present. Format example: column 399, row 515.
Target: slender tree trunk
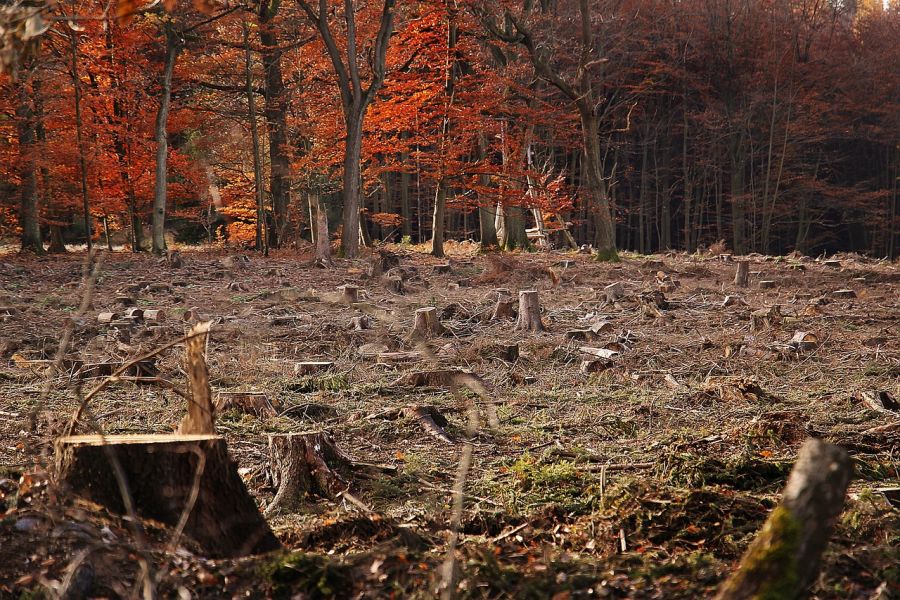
column 173, row 48
column 276, row 111
column 438, row 220
column 79, row 138
column 644, row 195
column 350, row 214
column 405, row 182
column 45, row 197
column 28, row 188
column 486, row 214
column 738, row 202
column 262, row 237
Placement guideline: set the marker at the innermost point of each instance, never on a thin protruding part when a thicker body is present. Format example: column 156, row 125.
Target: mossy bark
column 783, row 560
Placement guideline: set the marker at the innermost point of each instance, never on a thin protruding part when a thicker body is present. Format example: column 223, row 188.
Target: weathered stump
column 349, row 294
column 783, row 560
column 312, row 367
column 251, row 403
column 504, row 309
column 361, row 323
column 304, row 464
column 426, row 324
column 530, row 311
column 163, row 474
column 767, row 284
column 742, row 274
column 614, row 291
column 394, row 284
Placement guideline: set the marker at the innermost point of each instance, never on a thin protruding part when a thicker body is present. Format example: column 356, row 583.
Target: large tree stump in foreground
column 530, row 311
column 783, row 560
column 161, row 472
column 305, row 464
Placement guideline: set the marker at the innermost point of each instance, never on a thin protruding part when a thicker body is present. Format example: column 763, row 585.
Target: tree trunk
column 438, row 220
column 276, row 111
column 783, row 560
column 352, row 158
column 173, row 48
column 738, row 203
column 262, row 229
column 166, row 477
column 405, row 212
column 57, row 244
column 28, row 188
column 322, row 238
column 79, row 139
column 514, row 235
column 605, row 236
column 486, row 214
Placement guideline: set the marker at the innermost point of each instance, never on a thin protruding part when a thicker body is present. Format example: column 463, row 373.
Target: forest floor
column 644, row 479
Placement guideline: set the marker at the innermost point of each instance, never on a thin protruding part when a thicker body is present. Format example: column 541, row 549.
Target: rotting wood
column 784, row 558
column 168, row 475
column 302, row 465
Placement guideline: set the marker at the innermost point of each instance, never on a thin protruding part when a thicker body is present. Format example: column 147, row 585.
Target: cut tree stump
column 134, row 313
column 529, row 312
column 843, row 294
column 313, row 367
column 251, row 403
column 107, row 317
column 767, row 284
column 504, row 309
column 614, row 291
column 361, row 323
column 742, row 274
column 305, row 464
column 441, row 268
column 154, row 316
column 394, row 284
column 426, row 324
column 349, row 293
column 162, row 472
column 783, row 560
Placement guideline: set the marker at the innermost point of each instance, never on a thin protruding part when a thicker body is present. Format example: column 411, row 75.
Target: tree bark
column 783, row 560
column 305, row 464
column 530, row 311
column 79, row 138
column 173, row 49
column 28, row 188
column 180, row 480
column 262, row 229
column 276, row 111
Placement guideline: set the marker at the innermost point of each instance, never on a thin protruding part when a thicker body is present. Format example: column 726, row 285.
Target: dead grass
column 684, row 472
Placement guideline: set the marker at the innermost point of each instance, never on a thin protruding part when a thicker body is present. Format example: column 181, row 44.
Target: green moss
column 292, row 573
column 607, row 255
column 772, row 558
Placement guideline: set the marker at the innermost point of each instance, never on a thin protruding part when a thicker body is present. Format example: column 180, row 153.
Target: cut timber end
column 154, row 316
column 783, row 560
column 426, row 324
column 349, row 294
column 161, row 472
column 742, row 274
column 312, row 367
column 305, row 464
column 107, row 317
column 530, row 311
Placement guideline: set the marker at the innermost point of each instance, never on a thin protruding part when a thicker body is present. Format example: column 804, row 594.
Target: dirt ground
column 646, row 478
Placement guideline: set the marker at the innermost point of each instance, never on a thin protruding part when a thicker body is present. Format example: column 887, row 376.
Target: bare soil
column 646, row 478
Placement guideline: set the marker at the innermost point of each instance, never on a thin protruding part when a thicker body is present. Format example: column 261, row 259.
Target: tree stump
column 441, row 268
column 426, row 324
column 361, row 323
column 349, row 294
column 767, row 284
column 312, row 367
column 107, row 317
column 252, row 403
column 161, row 472
column 154, row 316
column 530, row 311
column 614, row 291
column 304, row 464
column 783, row 560
column 504, row 309
column 742, row 274
column 394, row 284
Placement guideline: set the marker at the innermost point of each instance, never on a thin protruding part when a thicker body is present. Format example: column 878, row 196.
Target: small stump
column 349, row 294
column 426, row 324
column 162, row 472
column 304, row 464
column 742, row 274
column 530, row 312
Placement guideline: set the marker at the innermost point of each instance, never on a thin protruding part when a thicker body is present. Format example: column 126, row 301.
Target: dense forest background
column 773, row 125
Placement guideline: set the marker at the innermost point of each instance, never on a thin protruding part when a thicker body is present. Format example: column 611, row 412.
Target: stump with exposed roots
column 305, row 464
